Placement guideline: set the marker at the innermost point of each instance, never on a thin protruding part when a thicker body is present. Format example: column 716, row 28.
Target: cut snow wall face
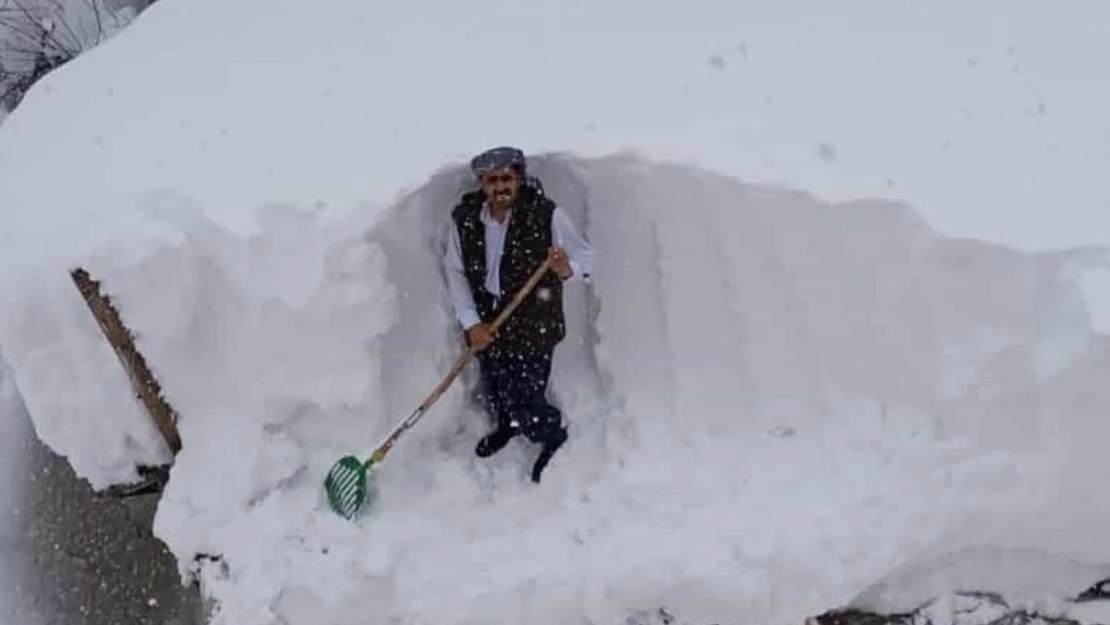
column 762, row 388
column 73, row 384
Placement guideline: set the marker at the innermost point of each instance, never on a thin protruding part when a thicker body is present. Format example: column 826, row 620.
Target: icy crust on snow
column 773, row 402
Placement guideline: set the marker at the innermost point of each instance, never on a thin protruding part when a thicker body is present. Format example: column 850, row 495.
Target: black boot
column 549, row 448
column 494, row 441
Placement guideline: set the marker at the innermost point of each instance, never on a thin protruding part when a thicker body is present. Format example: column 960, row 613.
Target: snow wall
column 773, row 401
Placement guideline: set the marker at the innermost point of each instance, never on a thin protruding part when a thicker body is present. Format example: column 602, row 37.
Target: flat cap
column 496, row 158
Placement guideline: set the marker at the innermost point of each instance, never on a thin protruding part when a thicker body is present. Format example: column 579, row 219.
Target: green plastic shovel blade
column 345, row 486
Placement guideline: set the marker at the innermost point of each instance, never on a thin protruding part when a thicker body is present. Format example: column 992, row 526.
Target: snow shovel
column 346, row 482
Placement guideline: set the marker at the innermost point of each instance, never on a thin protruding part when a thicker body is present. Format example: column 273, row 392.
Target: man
column 502, row 233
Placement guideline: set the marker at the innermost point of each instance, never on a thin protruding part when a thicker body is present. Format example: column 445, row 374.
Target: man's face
column 500, row 186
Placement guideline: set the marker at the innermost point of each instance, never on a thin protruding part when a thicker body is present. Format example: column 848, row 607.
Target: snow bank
column 774, row 399
column 216, row 104
column 983, row 127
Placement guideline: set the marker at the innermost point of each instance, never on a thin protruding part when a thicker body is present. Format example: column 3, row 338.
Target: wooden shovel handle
column 496, row 325
column 387, row 444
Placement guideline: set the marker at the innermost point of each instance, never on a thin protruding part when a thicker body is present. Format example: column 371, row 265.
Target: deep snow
column 775, row 400
column 730, row 444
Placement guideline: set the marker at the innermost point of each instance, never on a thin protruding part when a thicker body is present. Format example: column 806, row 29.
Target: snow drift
column 773, row 402
column 774, row 399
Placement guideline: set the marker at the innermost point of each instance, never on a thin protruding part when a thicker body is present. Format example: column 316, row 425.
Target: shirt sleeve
column 461, row 299
column 579, row 251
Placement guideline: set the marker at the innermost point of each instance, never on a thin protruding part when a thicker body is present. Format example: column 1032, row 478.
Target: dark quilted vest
column 539, row 319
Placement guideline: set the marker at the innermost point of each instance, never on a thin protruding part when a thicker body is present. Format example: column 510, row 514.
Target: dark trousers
column 514, row 381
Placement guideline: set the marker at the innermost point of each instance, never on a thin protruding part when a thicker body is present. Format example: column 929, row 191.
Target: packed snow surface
column 774, row 399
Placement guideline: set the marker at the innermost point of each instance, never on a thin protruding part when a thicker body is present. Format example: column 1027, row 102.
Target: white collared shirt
column 563, row 234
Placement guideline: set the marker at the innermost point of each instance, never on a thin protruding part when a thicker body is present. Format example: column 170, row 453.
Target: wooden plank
column 123, row 342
